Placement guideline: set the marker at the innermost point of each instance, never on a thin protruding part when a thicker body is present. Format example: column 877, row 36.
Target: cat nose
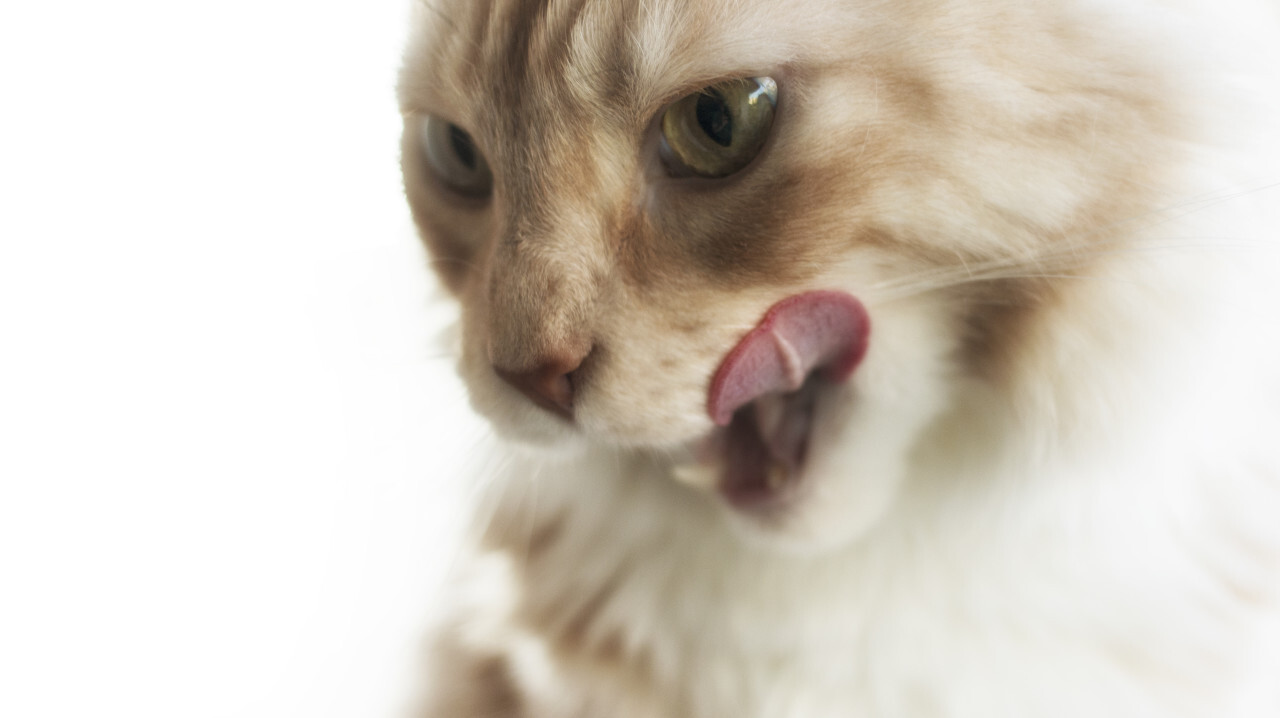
column 549, row 383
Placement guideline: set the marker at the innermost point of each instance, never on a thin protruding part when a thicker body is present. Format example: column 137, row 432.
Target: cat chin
column 521, row 428
column 864, row 440
column 853, row 479
column 840, row 512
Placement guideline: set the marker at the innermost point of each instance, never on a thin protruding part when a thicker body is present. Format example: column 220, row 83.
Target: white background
column 228, row 439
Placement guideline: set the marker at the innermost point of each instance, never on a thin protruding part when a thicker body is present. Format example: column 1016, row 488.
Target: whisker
column 479, row 484
column 1078, row 252
column 531, row 511
column 440, row 14
column 465, row 264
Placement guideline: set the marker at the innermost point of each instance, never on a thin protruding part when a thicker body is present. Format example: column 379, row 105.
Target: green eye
column 718, row 130
column 454, row 159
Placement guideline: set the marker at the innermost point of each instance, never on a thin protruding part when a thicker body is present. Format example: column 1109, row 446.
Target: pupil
column 714, row 118
column 461, row 143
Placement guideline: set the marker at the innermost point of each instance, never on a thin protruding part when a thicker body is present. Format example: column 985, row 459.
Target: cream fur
column 1053, row 486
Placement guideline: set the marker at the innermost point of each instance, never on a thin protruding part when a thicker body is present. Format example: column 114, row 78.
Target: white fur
column 1104, row 542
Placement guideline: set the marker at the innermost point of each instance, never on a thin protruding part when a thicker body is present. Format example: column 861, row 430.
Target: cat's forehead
column 477, row 57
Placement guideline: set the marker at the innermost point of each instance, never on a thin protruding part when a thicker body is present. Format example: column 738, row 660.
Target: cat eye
column 718, row 130
column 454, row 158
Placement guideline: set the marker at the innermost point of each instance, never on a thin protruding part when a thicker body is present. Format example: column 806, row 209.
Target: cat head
column 629, row 197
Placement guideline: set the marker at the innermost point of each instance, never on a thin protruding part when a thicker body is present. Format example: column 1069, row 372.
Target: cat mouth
column 764, row 396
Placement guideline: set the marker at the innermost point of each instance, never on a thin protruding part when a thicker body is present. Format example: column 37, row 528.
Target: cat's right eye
column 718, row 130
column 454, row 158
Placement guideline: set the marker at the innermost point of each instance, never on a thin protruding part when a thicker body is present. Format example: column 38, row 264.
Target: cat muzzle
column 766, row 391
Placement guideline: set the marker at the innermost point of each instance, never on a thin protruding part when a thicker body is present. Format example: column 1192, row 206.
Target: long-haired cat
column 860, row 358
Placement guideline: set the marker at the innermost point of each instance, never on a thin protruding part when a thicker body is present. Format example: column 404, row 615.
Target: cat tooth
column 699, row 476
column 776, row 476
column 769, row 414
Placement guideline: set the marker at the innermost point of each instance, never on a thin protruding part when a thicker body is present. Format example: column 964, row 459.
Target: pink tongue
column 815, row 330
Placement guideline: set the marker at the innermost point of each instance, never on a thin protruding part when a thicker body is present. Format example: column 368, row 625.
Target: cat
column 859, row 358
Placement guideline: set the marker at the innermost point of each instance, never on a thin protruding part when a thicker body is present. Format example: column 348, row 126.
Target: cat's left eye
column 718, row 130
column 454, row 158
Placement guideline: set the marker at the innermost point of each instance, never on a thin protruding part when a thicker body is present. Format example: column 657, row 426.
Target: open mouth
column 765, row 393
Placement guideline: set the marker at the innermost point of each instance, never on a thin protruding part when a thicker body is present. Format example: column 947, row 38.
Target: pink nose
column 549, row 384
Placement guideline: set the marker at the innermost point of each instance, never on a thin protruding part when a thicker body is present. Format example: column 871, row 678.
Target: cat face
column 618, row 220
